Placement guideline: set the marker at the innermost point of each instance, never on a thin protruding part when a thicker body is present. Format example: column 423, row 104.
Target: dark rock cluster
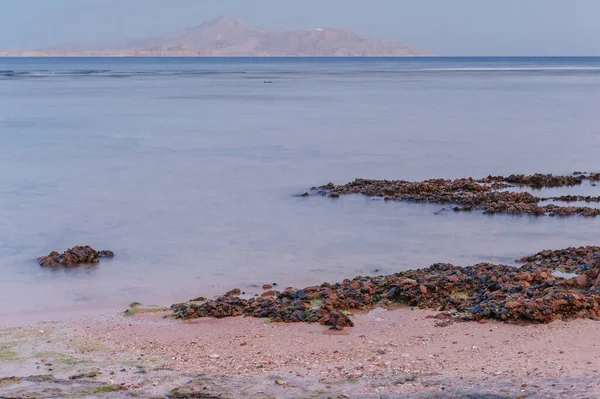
column 571, row 260
column 74, row 256
column 467, row 194
column 484, row 291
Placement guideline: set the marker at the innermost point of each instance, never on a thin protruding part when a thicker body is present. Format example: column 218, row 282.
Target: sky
column 444, row 27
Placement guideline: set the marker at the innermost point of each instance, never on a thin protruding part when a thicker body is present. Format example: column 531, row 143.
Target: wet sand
column 397, row 353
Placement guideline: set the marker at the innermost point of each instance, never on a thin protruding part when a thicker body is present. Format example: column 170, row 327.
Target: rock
column 581, row 281
column 74, row 257
column 106, row 254
column 300, row 315
column 199, row 299
column 301, row 294
column 267, row 286
column 404, row 378
column 92, row 374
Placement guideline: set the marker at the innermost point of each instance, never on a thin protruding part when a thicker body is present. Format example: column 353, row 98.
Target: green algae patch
column 461, row 295
column 93, row 348
column 316, row 303
column 46, row 355
column 71, row 361
column 138, row 310
column 7, row 354
column 101, row 390
column 4, row 382
column 130, row 363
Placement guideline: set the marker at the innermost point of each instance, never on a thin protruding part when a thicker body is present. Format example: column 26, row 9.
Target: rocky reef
column 533, row 292
column 490, row 195
column 75, row 256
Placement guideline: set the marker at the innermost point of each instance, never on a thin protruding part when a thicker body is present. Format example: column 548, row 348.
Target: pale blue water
column 187, row 169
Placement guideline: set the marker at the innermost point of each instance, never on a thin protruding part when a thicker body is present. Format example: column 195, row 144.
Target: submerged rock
column 74, row 257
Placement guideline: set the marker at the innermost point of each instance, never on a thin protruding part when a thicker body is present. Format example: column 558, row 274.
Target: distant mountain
column 228, row 36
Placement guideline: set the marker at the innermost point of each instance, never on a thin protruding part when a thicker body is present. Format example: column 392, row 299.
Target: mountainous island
column 231, row 37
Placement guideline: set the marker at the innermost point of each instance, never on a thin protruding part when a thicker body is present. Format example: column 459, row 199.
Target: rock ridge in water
column 489, row 194
column 75, row 256
column 531, row 293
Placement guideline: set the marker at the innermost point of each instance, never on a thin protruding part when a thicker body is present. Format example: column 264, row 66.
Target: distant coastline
column 231, row 37
column 44, row 54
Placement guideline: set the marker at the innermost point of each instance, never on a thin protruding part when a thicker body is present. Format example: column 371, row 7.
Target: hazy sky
column 445, row 27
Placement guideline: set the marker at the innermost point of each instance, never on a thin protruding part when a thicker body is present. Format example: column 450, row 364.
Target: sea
column 189, row 169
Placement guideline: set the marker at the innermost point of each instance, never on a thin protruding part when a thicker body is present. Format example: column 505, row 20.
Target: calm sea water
column 187, row 169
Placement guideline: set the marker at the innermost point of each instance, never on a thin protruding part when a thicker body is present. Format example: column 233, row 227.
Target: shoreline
column 400, row 351
column 395, row 353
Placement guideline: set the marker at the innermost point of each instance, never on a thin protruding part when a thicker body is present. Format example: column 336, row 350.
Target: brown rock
column 581, row 280
column 74, row 257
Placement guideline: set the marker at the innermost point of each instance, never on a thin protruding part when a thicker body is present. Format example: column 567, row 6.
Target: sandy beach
column 388, row 354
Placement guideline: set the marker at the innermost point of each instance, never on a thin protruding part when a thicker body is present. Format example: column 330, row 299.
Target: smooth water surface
column 188, row 169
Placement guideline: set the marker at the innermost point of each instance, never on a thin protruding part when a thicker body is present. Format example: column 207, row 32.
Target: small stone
column 301, row 294
column 92, row 374
column 581, row 280
column 404, row 379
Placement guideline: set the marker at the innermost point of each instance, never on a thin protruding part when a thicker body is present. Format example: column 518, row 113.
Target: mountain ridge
column 227, row 37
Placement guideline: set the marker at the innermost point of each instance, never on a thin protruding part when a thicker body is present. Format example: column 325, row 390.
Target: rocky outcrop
column 484, row 291
column 490, row 195
column 75, row 256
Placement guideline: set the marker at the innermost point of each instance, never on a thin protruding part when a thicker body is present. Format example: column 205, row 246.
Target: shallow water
column 187, row 169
